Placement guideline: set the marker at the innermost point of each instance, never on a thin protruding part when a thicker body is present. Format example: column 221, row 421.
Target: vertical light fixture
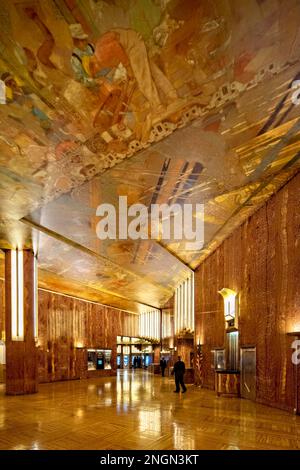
column 189, row 305
column 176, row 310
column 149, row 324
column 35, row 297
column 229, row 297
column 140, row 323
column 188, row 296
column 193, row 301
column 184, row 306
column 181, row 323
column 14, row 293
column 17, row 296
column 166, row 324
column 186, row 311
column 20, row 295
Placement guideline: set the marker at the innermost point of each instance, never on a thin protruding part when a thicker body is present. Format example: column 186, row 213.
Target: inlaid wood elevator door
column 248, row 373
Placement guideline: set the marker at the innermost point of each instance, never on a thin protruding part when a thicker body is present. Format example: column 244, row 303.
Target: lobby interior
column 187, row 104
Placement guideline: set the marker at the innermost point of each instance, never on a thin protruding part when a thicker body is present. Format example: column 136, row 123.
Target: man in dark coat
column 179, row 370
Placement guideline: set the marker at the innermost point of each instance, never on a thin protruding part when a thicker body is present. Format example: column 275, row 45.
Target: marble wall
column 260, row 261
column 67, row 326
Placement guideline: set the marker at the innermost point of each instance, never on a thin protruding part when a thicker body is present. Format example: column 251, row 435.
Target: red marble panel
column 67, row 326
column 261, row 261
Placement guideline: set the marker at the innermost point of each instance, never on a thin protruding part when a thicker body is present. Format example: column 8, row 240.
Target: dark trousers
column 163, row 371
column 179, row 380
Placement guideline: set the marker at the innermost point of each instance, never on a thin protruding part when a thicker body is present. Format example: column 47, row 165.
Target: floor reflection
column 137, row 410
column 182, row 438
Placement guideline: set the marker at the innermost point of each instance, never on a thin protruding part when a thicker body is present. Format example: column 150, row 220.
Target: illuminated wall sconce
column 17, row 296
column 230, row 303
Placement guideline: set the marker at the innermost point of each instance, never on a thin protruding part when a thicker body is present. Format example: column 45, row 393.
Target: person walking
column 179, row 370
column 163, row 365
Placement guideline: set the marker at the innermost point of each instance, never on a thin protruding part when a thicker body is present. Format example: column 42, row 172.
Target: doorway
column 248, row 373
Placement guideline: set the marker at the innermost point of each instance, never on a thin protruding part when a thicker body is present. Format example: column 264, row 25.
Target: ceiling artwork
column 178, row 101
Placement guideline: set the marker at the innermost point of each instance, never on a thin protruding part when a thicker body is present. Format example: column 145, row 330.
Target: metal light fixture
column 229, row 297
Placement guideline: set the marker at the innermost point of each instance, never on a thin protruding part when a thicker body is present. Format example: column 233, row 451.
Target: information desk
column 227, row 382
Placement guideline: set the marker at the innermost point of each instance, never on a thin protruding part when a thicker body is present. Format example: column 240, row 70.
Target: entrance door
column 248, row 373
column 126, row 363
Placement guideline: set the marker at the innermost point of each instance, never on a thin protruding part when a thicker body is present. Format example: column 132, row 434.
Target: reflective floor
column 136, row 410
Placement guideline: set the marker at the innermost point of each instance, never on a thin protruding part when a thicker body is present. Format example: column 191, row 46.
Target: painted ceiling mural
column 161, row 101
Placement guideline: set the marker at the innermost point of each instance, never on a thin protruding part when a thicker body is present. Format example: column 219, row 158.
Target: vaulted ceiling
column 176, row 101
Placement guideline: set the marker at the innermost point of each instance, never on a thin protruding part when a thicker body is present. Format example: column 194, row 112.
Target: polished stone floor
column 136, row 410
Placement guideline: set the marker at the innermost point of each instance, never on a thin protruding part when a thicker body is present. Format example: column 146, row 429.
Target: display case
column 218, row 359
column 99, row 359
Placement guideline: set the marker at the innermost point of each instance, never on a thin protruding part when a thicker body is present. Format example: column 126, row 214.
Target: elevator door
column 248, row 373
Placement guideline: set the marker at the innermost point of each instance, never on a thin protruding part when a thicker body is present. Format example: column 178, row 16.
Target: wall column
column 21, row 354
column 156, row 355
column 185, row 346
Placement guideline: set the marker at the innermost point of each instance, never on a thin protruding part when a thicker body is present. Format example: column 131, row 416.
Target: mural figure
column 127, row 47
column 22, row 101
column 82, row 51
column 86, row 84
column 117, row 65
column 105, row 82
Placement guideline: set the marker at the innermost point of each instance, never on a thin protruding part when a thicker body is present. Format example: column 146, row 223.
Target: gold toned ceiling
column 161, row 101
